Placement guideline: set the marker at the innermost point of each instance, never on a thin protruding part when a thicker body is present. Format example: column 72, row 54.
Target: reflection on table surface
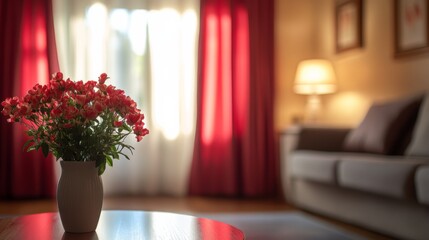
column 121, row 225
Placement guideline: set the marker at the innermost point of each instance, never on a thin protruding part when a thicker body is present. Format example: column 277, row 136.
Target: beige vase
column 79, row 196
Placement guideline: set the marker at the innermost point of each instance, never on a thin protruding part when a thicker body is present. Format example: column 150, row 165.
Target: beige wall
column 305, row 29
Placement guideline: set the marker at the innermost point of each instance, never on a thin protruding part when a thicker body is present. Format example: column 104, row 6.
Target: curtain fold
column 28, row 57
column 10, row 16
column 260, row 140
column 235, row 151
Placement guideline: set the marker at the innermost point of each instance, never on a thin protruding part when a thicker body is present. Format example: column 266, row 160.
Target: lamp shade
column 315, row 76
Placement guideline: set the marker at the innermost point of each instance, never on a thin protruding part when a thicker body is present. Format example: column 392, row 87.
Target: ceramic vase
column 79, row 196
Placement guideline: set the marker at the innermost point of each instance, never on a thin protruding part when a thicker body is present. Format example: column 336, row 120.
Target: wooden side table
column 120, row 225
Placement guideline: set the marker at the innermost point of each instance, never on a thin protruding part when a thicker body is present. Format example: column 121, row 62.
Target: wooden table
column 127, row 225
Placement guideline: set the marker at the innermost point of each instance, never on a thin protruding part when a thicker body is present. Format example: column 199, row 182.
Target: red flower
column 89, row 86
column 118, row 123
column 56, row 112
column 58, row 76
column 102, row 79
column 89, row 113
column 129, row 102
column 6, row 111
column 134, row 118
column 111, row 90
column 24, row 109
column 99, row 106
column 69, row 85
column 10, row 102
column 140, row 131
column 7, row 107
column 80, row 99
column 80, row 86
column 70, row 112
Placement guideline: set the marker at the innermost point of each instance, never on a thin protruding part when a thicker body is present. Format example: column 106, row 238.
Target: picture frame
column 411, row 27
column 348, row 25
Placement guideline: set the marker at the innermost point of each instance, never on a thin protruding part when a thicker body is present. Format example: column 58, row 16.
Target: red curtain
column 235, row 149
column 28, row 57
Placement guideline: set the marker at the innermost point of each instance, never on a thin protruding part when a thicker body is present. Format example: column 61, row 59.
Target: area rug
column 282, row 226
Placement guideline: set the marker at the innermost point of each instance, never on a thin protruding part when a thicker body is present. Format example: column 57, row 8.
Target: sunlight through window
column 164, row 33
column 119, row 20
column 169, row 49
column 189, row 31
column 97, row 23
column 171, row 38
column 137, row 31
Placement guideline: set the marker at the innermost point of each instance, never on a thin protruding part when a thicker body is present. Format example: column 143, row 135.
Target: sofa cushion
column 314, row 165
column 422, row 184
column 420, row 137
column 382, row 129
column 390, row 176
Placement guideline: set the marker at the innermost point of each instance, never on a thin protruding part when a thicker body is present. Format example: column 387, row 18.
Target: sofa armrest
column 306, row 137
column 321, row 138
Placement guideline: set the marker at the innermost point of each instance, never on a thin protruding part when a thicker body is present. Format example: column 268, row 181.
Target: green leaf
column 109, row 160
column 45, row 149
column 27, row 143
column 125, row 156
column 126, row 127
column 101, row 168
column 31, row 148
column 100, row 160
column 115, row 155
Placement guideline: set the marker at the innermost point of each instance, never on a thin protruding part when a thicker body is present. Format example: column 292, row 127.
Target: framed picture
column 348, row 25
column 411, row 27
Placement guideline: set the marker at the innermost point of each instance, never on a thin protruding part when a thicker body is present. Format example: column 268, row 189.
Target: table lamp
column 314, row 77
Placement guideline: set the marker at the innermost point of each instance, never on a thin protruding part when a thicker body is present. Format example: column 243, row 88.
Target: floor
column 187, row 205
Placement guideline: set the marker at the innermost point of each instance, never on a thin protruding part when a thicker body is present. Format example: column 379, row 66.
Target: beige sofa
column 383, row 186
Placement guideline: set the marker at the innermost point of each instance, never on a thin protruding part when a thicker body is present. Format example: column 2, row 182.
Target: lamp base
column 313, row 109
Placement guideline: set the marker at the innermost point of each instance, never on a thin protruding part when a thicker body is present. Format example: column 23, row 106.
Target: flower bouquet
column 85, row 125
column 77, row 121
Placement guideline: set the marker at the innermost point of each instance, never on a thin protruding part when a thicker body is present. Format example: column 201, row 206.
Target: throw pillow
column 419, row 145
column 383, row 127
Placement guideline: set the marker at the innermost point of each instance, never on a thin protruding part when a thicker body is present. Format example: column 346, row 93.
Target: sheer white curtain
column 148, row 48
